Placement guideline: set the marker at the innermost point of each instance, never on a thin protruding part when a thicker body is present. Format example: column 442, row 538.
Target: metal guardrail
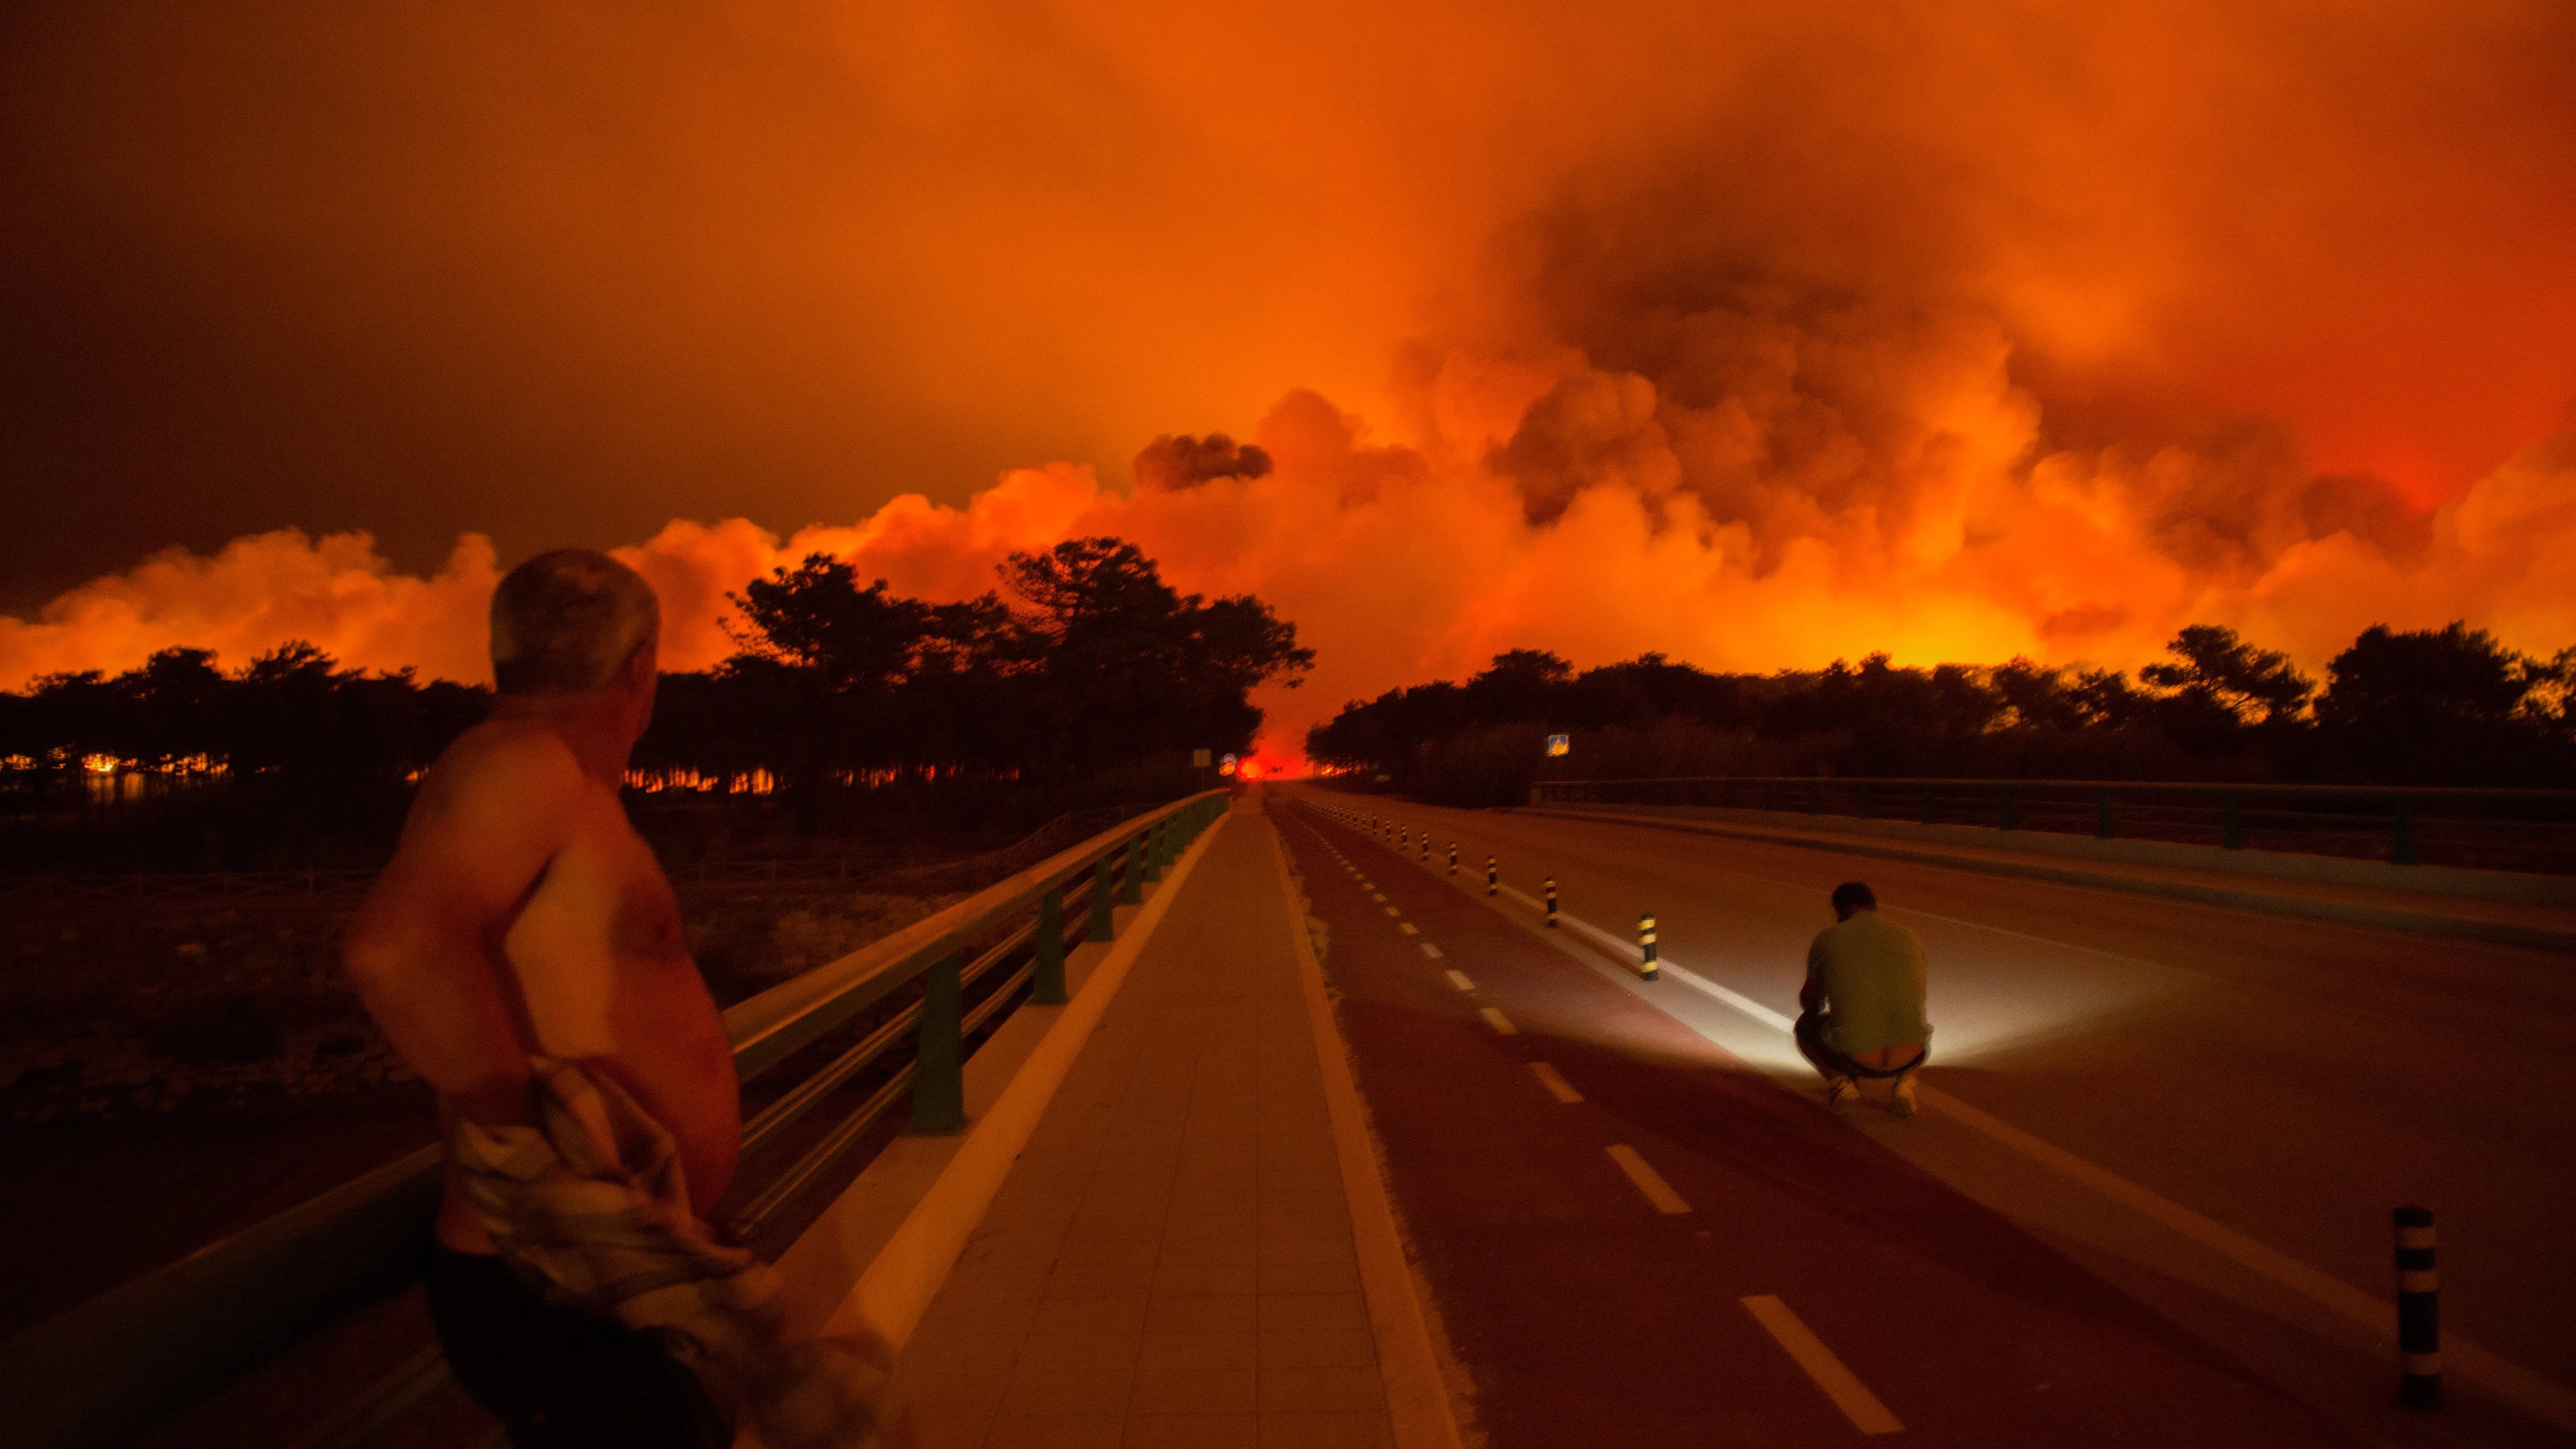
column 124, row 1363
column 2525, row 830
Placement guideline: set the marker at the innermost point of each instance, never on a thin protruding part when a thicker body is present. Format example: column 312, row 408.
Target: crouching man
column 1860, row 1014
column 523, row 954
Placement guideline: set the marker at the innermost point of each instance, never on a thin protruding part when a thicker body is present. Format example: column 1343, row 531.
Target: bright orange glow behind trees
column 1756, row 335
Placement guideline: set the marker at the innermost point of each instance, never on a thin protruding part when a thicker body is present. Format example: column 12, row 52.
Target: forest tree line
column 1085, row 667
column 2447, row 707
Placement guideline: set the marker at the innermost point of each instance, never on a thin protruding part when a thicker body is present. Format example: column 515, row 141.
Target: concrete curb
column 2376, row 917
column 880, row 1253
column 1417, row 1395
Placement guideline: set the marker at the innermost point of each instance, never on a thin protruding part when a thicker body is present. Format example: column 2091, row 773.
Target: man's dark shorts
column 561, row 1378
column 1821, row 1054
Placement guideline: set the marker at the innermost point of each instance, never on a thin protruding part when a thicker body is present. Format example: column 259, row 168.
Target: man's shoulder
column 504, row 765
column 1864, row 930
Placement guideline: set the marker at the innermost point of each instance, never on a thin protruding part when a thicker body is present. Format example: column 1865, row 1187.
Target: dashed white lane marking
column 1459, row 979
column 1407, row 928
column 1433, row 952
column 1840, row 1384
column 2532, row 1392
column 1557, row 1086
column 1648, row 1181
column 1392, row 911
column 1498, row 1021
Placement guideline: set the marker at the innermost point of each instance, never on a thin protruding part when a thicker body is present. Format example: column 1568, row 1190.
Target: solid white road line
column 1840, row 1384
column 1498, row 1021
column 1684, row 974
column 1648, row 1181
column 2531, row 1392
column 1433, row 952
column 1459, row 980
column 1407, row 928
column 1557, row 1086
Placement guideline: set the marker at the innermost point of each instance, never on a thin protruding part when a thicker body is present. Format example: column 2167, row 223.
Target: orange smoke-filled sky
column 1756, row 335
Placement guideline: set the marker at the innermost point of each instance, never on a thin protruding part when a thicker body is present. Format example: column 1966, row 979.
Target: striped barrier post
column 1046, row 973
column 2419, row 1312
column 1426, row 847
column 1453, row 857
column 1551, row 903
column 1493, row 878
column 1646, row 943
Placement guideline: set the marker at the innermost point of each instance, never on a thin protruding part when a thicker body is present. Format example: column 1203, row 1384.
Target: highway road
column 2148, row 1200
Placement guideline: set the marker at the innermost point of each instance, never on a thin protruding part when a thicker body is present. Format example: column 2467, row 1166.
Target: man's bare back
column 522, row 913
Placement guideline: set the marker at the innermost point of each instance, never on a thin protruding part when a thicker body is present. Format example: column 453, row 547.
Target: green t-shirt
column 1873, row 971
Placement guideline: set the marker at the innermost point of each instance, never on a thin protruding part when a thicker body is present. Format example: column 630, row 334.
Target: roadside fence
column 130, row 1361
column 2523, row 830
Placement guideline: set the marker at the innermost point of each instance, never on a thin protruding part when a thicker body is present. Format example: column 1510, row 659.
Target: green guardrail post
column 2005, row 818
column 1104, row 892
column 1131, row 876
column 2102, row 817
column 2231, row 830
column 1931, row 811
column 1154, row 853
column 939, row 1069
column 1046, row 976
column 2401, row 833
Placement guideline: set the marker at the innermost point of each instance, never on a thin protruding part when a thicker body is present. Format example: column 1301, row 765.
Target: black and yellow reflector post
column 1646, row 943
column 1453, row 857
column 1493, row 878
column 1551, row 903
column 2419, row 1312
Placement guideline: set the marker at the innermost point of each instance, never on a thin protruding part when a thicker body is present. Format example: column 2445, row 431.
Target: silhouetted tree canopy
column 2447, row 706
column 1098, row 666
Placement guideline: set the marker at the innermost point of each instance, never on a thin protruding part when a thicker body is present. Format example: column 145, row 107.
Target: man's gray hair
column 567, row 621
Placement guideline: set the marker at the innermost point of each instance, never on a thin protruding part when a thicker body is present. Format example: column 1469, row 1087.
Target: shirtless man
column 1860, row 1013
column 522, row 913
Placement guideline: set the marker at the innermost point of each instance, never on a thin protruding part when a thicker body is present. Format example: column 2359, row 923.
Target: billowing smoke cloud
column 1183, row 461
column 1399, row 566
column 1753, row 335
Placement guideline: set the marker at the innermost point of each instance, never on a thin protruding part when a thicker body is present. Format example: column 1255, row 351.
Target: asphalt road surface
column 2147, row 1201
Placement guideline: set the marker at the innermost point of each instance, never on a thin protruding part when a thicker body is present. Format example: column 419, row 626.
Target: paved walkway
column 1171, row 1261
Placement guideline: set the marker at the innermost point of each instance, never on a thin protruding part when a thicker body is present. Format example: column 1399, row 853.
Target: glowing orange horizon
column 1753, row 335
